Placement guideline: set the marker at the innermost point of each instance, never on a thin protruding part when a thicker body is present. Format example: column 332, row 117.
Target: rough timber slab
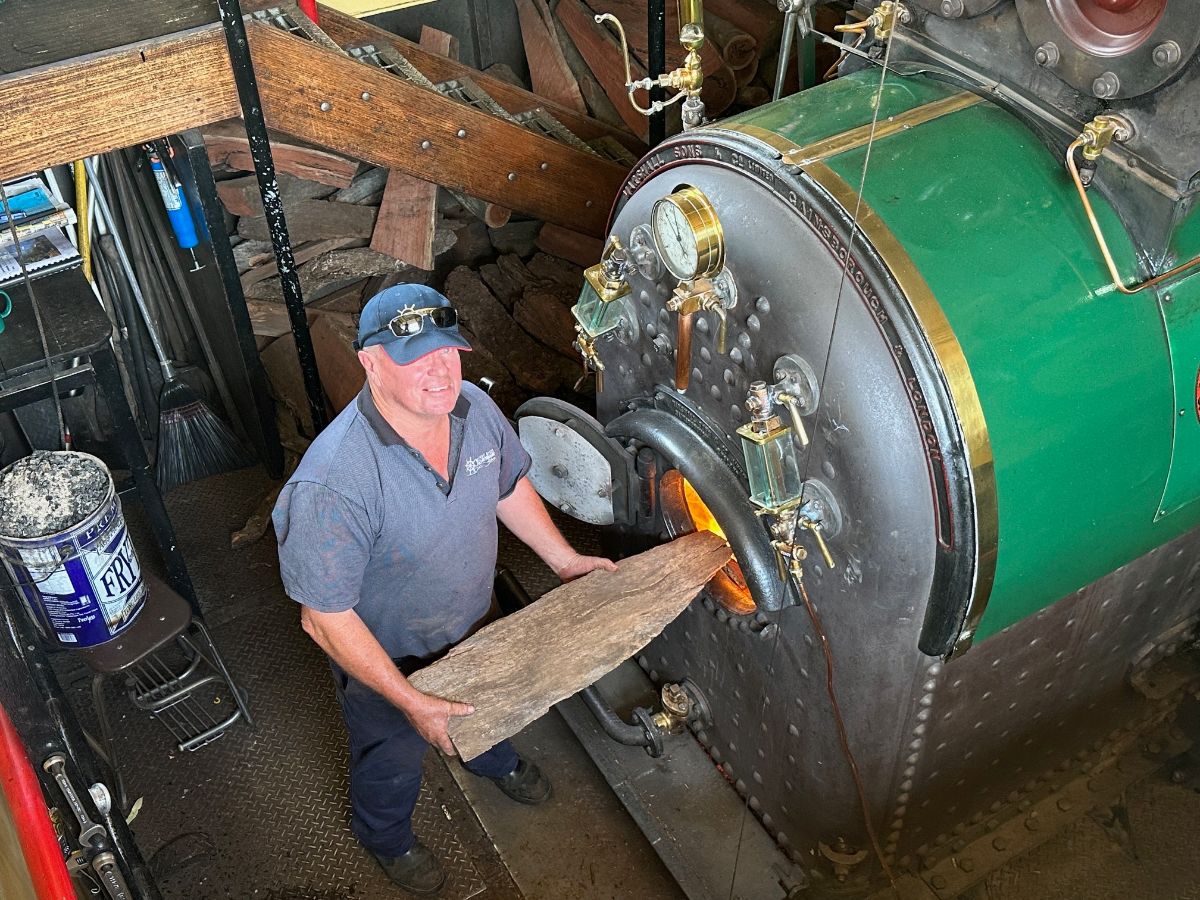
column 517, row 668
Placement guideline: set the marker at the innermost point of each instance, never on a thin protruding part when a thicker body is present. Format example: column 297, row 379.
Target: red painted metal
column 309, row 8
column 23, row 792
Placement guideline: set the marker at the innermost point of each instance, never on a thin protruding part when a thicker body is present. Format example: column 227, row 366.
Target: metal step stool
column 173, row 671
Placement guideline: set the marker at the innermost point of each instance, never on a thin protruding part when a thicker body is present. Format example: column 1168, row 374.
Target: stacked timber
column 513, row 283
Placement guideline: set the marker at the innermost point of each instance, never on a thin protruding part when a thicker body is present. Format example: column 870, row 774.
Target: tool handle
column 87, row 828
column 110, row 224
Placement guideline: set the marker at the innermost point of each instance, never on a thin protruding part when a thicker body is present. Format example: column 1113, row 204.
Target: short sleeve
column 515, row 462
column 324, row 544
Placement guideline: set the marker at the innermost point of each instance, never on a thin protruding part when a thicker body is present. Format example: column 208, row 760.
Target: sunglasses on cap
column 412, row 321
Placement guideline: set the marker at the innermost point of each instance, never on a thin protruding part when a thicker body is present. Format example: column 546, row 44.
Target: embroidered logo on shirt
column 482, row 461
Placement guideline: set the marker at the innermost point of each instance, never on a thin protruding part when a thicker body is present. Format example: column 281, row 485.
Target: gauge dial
column 688, row 234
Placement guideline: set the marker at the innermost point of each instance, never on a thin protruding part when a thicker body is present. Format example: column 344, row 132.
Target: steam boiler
column 923, row 343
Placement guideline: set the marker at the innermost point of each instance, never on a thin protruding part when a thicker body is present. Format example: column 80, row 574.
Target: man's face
column 427, row 387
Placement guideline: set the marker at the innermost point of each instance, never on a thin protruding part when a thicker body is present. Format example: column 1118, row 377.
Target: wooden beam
column 98, row 103
column 349, row 31
column 548, row 69
column 515, row 669
column 334, row 101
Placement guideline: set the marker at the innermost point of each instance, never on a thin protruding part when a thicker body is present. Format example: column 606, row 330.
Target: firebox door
column 576, row 467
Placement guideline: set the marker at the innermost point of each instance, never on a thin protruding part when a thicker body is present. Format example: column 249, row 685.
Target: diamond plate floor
column 262, row 812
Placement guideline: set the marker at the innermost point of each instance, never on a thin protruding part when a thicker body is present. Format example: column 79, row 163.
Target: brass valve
column 591, row 359
column 1102, row 131
column 608, row 277
column 687, row 80
column 886, row 16
column 814, row 528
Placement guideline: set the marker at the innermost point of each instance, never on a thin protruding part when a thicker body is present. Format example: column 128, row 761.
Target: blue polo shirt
column 365, row 523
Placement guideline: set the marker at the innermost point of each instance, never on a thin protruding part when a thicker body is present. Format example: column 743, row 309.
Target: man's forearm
column 524, row 514
column 349, row 643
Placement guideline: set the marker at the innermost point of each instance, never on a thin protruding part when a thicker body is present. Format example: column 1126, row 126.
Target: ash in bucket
column 64, row 542
column 49, row 492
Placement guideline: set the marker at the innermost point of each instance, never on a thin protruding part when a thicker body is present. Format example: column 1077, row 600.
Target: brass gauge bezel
column 705, row 229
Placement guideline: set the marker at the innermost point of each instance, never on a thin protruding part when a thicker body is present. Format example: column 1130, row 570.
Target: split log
column 241, row 196
column 544, row 315
column 515, row 669
column 581, row 249
column 517, row 238
column 249, row 254
column 342, row 374
column 602, row 54
column 506, row 285
column 533, row 366
column 256, row 526
column 738, row 49
column 315, row 220
column 440, row 42
column 367, row 187
column 746, row 75
column 302, row 254
column 348, row 299
column 761, row 20
column 490, row 214
column 719, row 87
column 557, row 271
column 336, row 269
column 227, row 145
column 548, row 70
column 480, row 363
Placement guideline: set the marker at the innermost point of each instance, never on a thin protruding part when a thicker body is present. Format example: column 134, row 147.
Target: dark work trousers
column 385, row 767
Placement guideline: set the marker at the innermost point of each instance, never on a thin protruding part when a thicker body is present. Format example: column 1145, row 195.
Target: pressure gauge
column 688, row 234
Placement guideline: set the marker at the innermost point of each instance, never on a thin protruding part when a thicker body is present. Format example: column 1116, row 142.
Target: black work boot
column 417, row 871
column 525, row 783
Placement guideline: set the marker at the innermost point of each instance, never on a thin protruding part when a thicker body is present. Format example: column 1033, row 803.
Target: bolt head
column 1106, row 86
column 1047, row 55
column 938, row 881
column 366, row 95
column 952, row 9
column 326, row 106
column 1166, row 54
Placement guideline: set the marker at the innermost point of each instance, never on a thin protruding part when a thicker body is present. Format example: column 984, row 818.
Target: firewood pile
column 356, row 229
column 513, row 284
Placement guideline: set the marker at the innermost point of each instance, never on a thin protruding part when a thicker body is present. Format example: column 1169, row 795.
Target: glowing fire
column 685, row 512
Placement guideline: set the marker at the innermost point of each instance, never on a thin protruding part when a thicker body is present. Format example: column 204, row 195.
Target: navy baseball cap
column 392, row 302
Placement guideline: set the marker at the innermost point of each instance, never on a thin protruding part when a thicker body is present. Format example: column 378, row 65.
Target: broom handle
column 106, row 214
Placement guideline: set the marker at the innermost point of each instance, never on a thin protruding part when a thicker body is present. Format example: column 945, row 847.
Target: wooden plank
column 407, row 218
column 515, row 669
column 348, row 31
column 315, row 220
column 228, row 145
column 602, row 53
column 719, row 88
column 402, row 126
column 548, row 69
column 110, row 100
column 440, row 42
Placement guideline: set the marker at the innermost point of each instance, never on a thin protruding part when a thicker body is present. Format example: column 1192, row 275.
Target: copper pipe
column 683, row 349
column 1108, row 259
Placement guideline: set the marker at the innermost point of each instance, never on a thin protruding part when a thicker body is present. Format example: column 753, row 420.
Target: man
column 387, row 537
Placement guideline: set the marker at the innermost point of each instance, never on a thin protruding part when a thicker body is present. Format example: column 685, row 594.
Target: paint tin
column 82, row 584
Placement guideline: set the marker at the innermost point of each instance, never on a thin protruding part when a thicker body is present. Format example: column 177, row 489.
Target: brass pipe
column 683, row 359
column 1108, row 259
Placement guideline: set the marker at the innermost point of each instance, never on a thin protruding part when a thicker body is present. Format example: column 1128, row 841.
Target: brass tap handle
column 793, row 404
column 591, row 360
column 815, row 528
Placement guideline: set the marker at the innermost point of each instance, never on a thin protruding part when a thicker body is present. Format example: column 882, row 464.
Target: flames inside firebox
column 685, row 512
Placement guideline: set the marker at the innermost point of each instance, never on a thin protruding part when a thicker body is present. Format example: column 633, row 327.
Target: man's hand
column 579, row 565
column 431, row 717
